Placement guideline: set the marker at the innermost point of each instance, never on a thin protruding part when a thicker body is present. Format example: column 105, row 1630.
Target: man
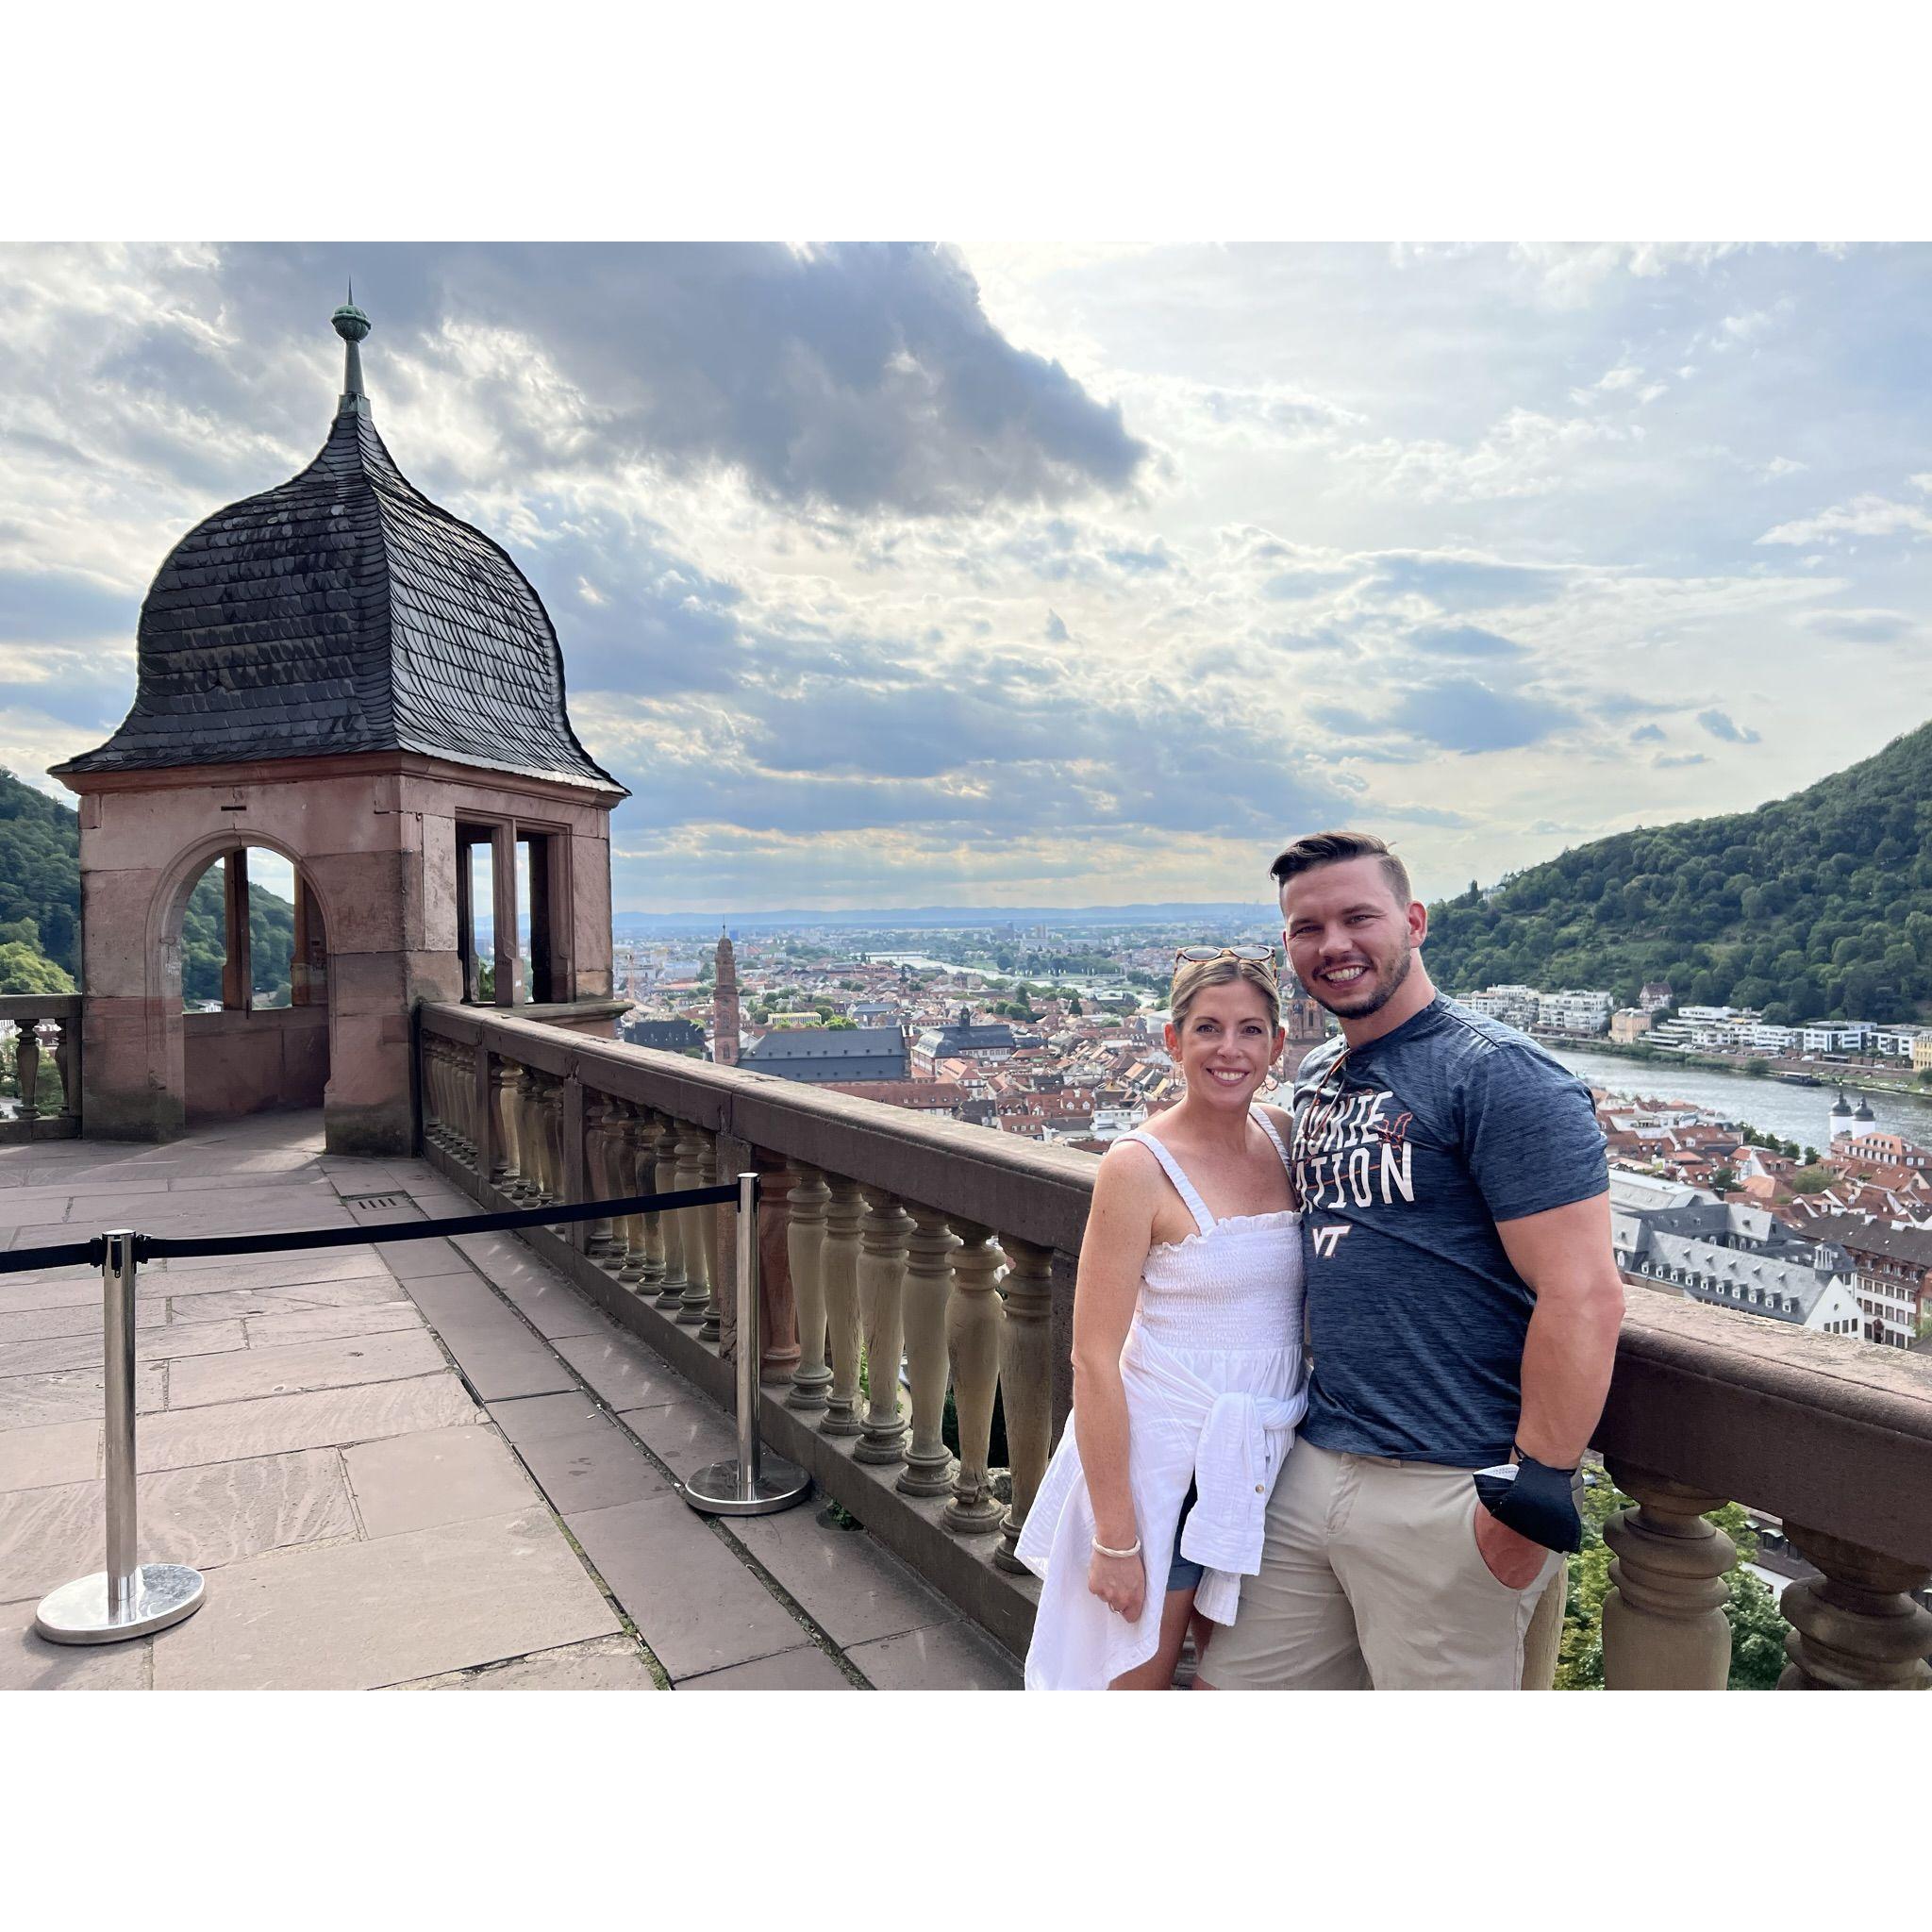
column 1463, row 1307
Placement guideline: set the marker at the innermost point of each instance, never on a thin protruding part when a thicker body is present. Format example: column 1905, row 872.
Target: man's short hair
column 1332, row 848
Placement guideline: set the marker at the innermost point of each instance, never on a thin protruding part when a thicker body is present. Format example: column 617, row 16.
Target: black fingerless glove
column 1540, row 1503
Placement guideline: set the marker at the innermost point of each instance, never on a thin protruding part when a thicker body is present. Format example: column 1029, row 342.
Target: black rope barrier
column 155, row 1247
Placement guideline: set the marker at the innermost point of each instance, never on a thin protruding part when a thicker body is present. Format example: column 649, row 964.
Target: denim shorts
column 1183, row 1573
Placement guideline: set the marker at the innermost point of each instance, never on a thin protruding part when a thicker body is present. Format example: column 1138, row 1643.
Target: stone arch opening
column 247, row 1025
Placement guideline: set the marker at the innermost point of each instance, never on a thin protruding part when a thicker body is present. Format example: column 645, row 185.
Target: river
column 1792, row 1113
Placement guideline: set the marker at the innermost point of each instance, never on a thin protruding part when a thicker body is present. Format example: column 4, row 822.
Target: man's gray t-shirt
column 1407, row 1151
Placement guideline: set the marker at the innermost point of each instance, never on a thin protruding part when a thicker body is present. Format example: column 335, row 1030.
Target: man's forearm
column 1567, row 1357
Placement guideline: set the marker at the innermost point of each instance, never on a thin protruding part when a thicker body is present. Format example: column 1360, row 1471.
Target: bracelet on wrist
column 1100, row 1549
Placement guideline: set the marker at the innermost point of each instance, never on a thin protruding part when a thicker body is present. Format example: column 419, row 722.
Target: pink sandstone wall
column 241, row 1063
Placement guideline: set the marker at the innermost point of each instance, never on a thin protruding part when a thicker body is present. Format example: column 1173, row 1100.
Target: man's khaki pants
column 1371, row 1578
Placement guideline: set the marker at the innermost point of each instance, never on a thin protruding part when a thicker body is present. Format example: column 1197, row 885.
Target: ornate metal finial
column 350, row 323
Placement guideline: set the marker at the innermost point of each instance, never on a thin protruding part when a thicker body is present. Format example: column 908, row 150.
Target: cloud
column 1463, row 582
column 1463, row 640
column 1647, row 734
column 1861, row 626
column 1719, row 726
column 1866, row 515
column 1454, row 714
column 1056, row 628
column 1671, row 762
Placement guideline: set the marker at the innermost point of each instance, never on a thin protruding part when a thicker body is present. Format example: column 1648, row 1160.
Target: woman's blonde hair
column 1192, row 977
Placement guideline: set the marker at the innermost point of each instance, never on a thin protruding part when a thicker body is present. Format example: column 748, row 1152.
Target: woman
column 1187, row 1354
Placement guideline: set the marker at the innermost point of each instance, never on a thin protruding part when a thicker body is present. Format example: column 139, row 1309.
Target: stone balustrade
column 914, row 1267
column 39, row 1032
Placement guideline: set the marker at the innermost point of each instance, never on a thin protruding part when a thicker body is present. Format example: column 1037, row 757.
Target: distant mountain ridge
column 940, row 918
column 1818, row 906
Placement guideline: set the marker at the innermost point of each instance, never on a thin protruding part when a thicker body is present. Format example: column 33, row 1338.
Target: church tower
column 725, row 1004
column 342, row 671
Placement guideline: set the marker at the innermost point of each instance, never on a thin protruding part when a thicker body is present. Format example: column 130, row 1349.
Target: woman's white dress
column 1213, row 1370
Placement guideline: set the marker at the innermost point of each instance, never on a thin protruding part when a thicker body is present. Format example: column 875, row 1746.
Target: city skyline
column 896, row 576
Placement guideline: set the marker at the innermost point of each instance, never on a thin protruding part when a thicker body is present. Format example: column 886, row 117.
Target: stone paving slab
column 685, row 1435
column 945, row 1656
column 57, row 1452
column 805, row 1669
column 51, row 1288
column 848, row 1585
column 307, row 1365
column 624, row 1372
column 183, row 1279
column 312, row 1420
column 328, row 1325
column 698, row 1606
column 498, row 1354
column 29, row 1663
column 441, row 1475
column 205, row 1517
column 582, row 1459
column 374, row 1291
column 606, row 1663
column 357, row 1616
column 154, row 1341
column 407, row 1260
column 74, row 1395
column 41, row 1324
column 551, row 1305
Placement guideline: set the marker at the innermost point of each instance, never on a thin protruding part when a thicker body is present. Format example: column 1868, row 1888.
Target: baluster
column 600, row 1239
column 504, row 1163
column 27, row 1063
column 528, row 1187
column 695, row 1304
column 1664, row 1623
column 929, row 1467
column 973, row 1344
column 646, row 1264
column 1857, row 1629
column 881, row 1281
column 777, row 1312
column 670, row 1288
column 553, row 1140
column 460, row 1076
column 839, row 1272
column 805, row 1241
column 621, row 1164
column 66, row 1031
column 1025, row 1383
column 713, row 1329
column 432, row 1094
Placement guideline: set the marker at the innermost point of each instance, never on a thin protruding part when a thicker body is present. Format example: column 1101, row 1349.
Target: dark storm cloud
column 865, row 377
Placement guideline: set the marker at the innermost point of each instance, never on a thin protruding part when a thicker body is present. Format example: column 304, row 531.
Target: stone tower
column 343, row 673
column 725, row 1004
column 1305, row 1023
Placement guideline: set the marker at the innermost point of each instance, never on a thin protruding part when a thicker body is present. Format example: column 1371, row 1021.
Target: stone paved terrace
column 427, row 1465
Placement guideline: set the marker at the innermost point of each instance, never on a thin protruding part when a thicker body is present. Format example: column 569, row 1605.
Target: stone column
column 881, row 1313
column 839, row 1271
column 695, row 1304
column 503, row 917
column 1857, row 1629
column 805, row 1242
column 1664, row 1623
column 238, row 967
column 973, row 1341
column 673, row 1283
column 929, row 1466
column 1025, row 1383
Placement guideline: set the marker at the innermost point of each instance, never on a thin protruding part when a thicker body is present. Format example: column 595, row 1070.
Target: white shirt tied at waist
column 1245, row 1439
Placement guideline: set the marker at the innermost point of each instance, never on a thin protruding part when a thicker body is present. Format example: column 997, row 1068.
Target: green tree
column 1757, row 1631
column 26, row 969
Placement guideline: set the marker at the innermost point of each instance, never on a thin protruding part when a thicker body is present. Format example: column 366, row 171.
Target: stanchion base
column 163, row 1593
column 716, row 1490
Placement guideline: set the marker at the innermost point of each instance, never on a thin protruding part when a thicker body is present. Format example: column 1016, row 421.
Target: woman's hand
column 1119, row 1582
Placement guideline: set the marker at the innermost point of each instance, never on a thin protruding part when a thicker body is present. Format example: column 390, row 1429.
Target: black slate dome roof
column 344, row 611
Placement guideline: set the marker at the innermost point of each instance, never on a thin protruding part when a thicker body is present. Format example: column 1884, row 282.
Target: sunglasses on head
column 1251, row 955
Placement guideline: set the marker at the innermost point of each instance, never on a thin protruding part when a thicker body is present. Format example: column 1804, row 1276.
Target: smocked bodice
column 1236, row 1287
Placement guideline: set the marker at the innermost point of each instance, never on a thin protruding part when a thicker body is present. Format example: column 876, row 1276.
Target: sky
column 1035, row 575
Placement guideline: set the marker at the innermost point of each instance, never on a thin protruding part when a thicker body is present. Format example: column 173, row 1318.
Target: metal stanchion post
column 751, row 1483
column 129, row 1598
